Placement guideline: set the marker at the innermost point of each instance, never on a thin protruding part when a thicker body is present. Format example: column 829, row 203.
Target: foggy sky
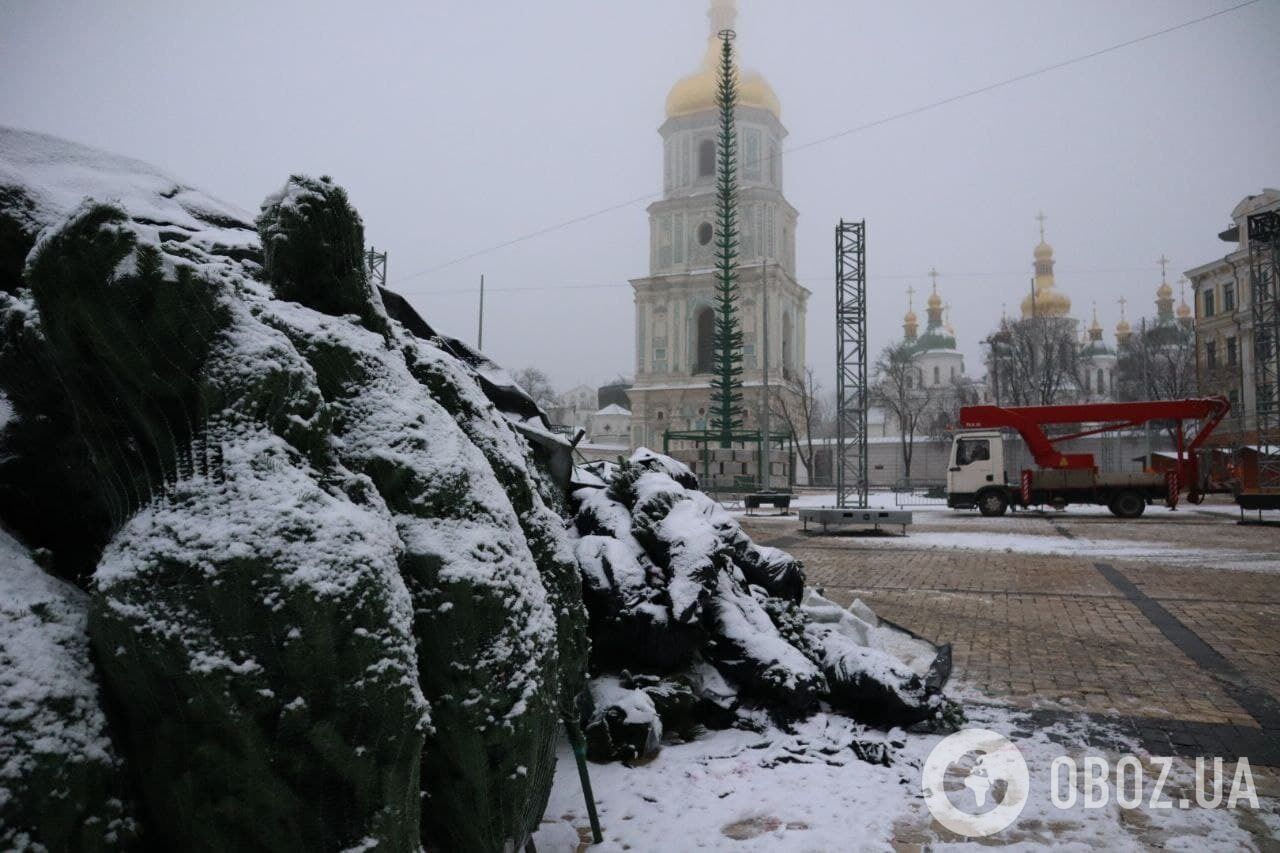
column 460, row 126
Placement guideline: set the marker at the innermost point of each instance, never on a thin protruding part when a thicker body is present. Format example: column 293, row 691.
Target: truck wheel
column 1128, row 505
column 992, row 503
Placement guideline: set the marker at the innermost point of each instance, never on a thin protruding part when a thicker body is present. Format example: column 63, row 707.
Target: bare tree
column 537, row 385
column 1035, row 361
column 806, row 412
column 950, row 399
column 1159, row 363
column 899, row 389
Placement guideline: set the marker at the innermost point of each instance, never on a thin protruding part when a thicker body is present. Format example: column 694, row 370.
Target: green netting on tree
column 532, row 495
column 313, row 250
column 48, row 485
column 252, row 627
column 129, row 333
column 61, row 781
column 484, row 628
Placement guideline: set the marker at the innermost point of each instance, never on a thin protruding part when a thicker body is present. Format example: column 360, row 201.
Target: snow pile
column 53, row 733
column 330, row 597
column 687, row 611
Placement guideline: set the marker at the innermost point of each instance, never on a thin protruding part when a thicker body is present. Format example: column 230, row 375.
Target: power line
column 1020, row 274
column 849, row 132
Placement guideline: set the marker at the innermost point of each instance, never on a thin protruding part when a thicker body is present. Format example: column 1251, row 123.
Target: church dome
column 1048, row 302
column 1043, row 251
column 1122, row 328
column 697, row 92
column 935, row 301
column 1164, row 291
column 910, row 316
column 1184, row 310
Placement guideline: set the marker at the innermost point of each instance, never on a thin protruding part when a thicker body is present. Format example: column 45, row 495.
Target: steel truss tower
column 851, row 364
column 375, row 265
column 1264, row 268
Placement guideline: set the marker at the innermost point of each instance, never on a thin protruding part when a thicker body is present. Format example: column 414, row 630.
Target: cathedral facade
column 675, row 302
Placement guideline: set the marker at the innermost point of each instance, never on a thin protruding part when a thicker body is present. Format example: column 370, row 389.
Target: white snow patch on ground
column 1080, row 546
column 718, row 793
column 1050, row 543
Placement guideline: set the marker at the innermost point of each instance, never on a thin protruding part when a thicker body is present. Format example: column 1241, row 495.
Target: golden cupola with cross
column 1045, row 300
column 910, row 322
column 697, row 91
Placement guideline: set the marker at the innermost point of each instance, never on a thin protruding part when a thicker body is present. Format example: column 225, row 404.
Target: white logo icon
column 995, row 782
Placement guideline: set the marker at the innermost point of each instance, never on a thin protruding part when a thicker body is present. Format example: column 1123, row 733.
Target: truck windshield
column 970, row 450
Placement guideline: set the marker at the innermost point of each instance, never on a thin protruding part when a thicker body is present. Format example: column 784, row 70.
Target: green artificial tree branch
column 726, row 385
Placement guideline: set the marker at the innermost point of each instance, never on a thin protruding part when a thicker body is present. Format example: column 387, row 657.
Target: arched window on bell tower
column 706, row 158
column 705, row 333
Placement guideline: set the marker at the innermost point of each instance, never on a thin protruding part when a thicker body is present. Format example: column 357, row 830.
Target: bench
column 777, row 500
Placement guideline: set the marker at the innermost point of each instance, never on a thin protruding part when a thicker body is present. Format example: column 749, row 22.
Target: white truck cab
column 976, row 470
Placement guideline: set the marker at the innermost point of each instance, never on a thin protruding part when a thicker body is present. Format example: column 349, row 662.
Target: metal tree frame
column 851, row 364
column 1264, row 266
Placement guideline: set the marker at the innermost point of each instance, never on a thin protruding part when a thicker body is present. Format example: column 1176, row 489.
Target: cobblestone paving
column 1185, row 655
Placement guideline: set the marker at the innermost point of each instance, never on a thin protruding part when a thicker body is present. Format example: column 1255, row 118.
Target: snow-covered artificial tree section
column 53, row 733
column 693, row 624
column 329, row 597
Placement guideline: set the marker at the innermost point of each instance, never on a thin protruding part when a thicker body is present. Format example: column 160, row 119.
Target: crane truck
column 977, row 477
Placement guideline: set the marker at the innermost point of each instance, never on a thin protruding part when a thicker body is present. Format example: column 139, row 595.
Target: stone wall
column 727, row 469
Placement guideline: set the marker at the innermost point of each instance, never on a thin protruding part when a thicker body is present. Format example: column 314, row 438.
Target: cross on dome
column 1041, row 218
column 697, row 92
column 1164, row 291
column 723, row 15
column 935, row 301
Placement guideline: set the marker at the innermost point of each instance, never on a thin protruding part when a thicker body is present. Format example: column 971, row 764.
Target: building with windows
column 610, row 425
column 674, row 303
column 1224, row 323
column 573, row 408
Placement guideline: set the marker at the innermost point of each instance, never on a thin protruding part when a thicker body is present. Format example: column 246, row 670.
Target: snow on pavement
column 1050, row 543
column 728, row 791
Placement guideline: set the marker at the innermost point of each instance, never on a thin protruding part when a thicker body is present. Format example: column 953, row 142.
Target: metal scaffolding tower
column 851, row 364
column 1264, row 266
column 375, row 265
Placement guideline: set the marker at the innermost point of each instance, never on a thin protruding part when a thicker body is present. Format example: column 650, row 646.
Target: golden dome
column 697, row 92
column 1043, row 251
column 935, row 301
column 1184, row 310
column 909, row 317
column 1048, row 302
column 1122, row 328
column 1164, row 291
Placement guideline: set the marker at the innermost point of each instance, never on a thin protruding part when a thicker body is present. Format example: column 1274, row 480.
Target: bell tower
column 673, row 328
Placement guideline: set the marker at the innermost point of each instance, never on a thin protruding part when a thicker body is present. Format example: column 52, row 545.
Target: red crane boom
column 1029, row 421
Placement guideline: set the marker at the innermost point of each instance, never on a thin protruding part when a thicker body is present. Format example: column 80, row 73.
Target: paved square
column 1167, row 626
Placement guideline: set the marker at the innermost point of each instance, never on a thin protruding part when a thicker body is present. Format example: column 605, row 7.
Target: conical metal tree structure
column 726, row 386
